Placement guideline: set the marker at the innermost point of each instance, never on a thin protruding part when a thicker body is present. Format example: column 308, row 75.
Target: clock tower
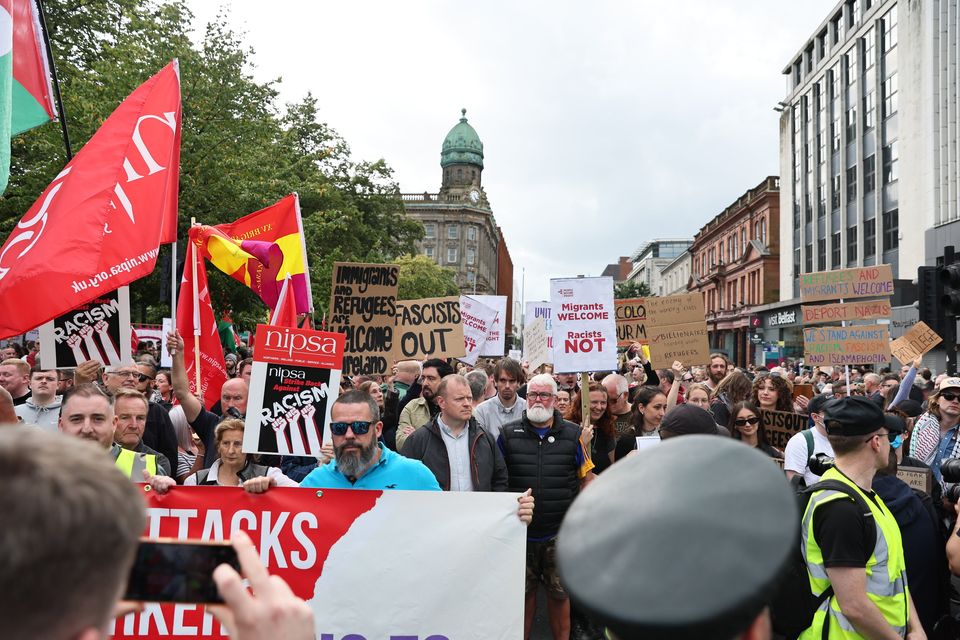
column 461, row 159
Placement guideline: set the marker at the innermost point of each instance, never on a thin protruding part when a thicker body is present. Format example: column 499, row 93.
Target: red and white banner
column 373, row 565
column 99, row 224
column 478, row 319
column 198, row 326
column 496, row 342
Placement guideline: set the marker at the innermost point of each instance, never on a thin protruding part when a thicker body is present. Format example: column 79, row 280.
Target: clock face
column 475, row 196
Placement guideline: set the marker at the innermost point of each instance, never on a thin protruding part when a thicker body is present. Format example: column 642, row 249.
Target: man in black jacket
column 461, row 455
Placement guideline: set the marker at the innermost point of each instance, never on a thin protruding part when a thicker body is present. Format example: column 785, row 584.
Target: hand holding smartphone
column 178, row 571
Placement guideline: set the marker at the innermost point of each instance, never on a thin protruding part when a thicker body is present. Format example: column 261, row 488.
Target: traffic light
column 949, row 277
column 930, row 291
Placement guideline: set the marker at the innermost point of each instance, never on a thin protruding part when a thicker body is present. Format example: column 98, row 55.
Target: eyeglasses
column 950, row 397
column 891, row 437
column 359, row 427
column 539, row 395
column 740, row 422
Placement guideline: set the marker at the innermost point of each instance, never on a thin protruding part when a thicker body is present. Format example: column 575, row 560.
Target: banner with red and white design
column 373, row 565
column 197, row 324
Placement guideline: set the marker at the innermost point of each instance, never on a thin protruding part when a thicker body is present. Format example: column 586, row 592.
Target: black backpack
column 794, row 605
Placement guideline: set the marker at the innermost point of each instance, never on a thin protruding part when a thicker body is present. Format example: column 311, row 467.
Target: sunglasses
column 950, row 397
column 895, row 439
column 740, row 422
column 359, row 427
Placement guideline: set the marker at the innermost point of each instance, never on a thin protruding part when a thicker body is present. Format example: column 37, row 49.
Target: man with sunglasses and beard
column 360, row 460
column 935, row 435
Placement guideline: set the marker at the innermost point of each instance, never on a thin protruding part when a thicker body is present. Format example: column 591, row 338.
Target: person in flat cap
column 863, row 565
column 699, row 530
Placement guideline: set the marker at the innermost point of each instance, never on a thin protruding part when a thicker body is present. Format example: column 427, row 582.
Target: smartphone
column 178, row 571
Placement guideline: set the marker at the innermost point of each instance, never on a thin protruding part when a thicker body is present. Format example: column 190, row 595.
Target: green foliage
column 421, row 277
column 630, row 289
column 239, row 152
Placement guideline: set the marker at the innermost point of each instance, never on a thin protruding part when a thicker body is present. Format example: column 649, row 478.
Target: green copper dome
column 462, row 145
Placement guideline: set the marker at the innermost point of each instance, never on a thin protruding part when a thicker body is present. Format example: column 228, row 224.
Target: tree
column 421, row 277
column 630, row 289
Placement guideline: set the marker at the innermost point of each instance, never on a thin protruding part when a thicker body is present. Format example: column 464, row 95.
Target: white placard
column 477, row 319
column 647, row 442
column 584, row 328
column 497, row 340
column 515, row 354
column 165, row 360
column 96, row 330
column 535, row 343
column 536, row 310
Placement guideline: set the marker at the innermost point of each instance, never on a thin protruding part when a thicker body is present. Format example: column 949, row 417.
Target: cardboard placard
column 805, row 390
column 363, row 302
column 428, row 328
column 780, row 426
column 860, row 282
column 496, row 341
column 477, row 320
column 583, row 324
column 687, row 343
column 682, row 309
column 294, row 381
column 535, row 343
column 846, row 312
column 96, row 330
column 917, row 477
column 536, row 310
column 914, row 343
column 631, row 317
column 846, row 345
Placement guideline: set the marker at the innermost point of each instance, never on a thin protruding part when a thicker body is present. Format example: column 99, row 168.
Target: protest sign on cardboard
column 584, row 327
column 687, row 343
column 780, row 426
column 846, row 345
column 428, row 328
column 916, row 477
column 681, row 309
column 541, row 309
column 478, row 320
column 496, row 342
column 96, row 330
column 914, row 343
column 845, row 312
column 535, row 343
column 294, row 381
column 860, row 282
column 363, row 302
column 631, row 317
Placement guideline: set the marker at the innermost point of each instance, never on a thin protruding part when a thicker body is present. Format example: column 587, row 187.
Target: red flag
column 100, row 223
column 285, row 315
column 198, row 314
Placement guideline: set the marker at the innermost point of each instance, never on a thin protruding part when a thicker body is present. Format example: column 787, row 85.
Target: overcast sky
column 604, row 124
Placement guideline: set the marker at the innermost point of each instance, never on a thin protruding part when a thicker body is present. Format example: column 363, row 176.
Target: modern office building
column 651, row 257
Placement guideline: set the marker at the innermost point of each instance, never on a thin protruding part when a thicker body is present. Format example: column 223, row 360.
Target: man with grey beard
column 360, row 460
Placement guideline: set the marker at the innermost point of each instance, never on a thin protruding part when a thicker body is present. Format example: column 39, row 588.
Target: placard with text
column 294, row 381
column 631, row 318
column 860, row 282
column 540, row 309
column 363, row 303
column 428, row 328
column 584, row 328
column 496, row 342
column 864, row 344
column 478, row 320
column 96, row 330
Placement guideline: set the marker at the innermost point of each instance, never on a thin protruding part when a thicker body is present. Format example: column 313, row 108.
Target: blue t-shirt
column 392, row 471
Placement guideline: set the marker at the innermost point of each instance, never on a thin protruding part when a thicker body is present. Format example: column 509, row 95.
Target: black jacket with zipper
column 487, row 468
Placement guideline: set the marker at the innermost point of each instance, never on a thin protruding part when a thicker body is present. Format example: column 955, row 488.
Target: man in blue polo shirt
column 360, row 461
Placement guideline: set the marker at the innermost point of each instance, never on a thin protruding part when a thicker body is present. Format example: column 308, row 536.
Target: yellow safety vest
column 132, row 464
column 886, row 569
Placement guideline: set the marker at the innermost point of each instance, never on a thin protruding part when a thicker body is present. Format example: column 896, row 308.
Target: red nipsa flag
column 100, row 223
column 198, row 314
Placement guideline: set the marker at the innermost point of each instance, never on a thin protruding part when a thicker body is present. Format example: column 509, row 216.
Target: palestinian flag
column 26, row 97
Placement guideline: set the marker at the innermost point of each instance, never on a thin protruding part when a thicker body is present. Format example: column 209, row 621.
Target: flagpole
column 196, row 313
column 56, row 81
column 173, row 285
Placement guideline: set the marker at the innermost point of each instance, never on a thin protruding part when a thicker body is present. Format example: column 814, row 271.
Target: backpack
column 794, row 605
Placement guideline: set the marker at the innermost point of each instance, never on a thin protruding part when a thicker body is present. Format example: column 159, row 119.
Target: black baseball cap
column 858, row 416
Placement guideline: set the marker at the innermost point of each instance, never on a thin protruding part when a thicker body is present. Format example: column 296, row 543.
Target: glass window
column 891, row 159
column 471, row 256
column 869, row 110
column 796, row 261
column 835, row 194
column 869, row 238
column 869, row 174
column 890, row 29
column 821, row 254
column 430, row 229
column 853, row 15
column 471, row 233
column 851, row 58
column 428, row 251
column 891, row 229
column 851, row 245
column 869, row 48
column 851, row 123
column 835, row 249
column 890, row 95
column 453, row 231
column 851, row 184
column 809, row 259
column 452, row 254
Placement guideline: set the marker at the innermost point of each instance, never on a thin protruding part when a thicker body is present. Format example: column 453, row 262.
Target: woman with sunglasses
column 233, row 468
column 936, row 435
column 745, row 426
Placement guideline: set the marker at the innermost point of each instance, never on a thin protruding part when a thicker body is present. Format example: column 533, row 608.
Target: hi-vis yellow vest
column 886, row 569
column 132, row 464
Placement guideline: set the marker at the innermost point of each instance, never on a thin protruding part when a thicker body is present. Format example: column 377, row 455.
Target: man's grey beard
column 353, row 463
column 539, row 414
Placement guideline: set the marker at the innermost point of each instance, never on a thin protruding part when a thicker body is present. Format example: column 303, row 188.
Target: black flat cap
column 853, row 416
column 688, row 419
column 695, row 534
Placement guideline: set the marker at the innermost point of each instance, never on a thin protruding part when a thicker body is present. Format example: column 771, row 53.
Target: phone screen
column 173, row 571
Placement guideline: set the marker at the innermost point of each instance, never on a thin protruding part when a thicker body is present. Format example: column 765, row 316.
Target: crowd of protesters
column 446, row 425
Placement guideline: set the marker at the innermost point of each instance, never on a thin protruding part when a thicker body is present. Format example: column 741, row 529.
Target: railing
column 431, row 197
